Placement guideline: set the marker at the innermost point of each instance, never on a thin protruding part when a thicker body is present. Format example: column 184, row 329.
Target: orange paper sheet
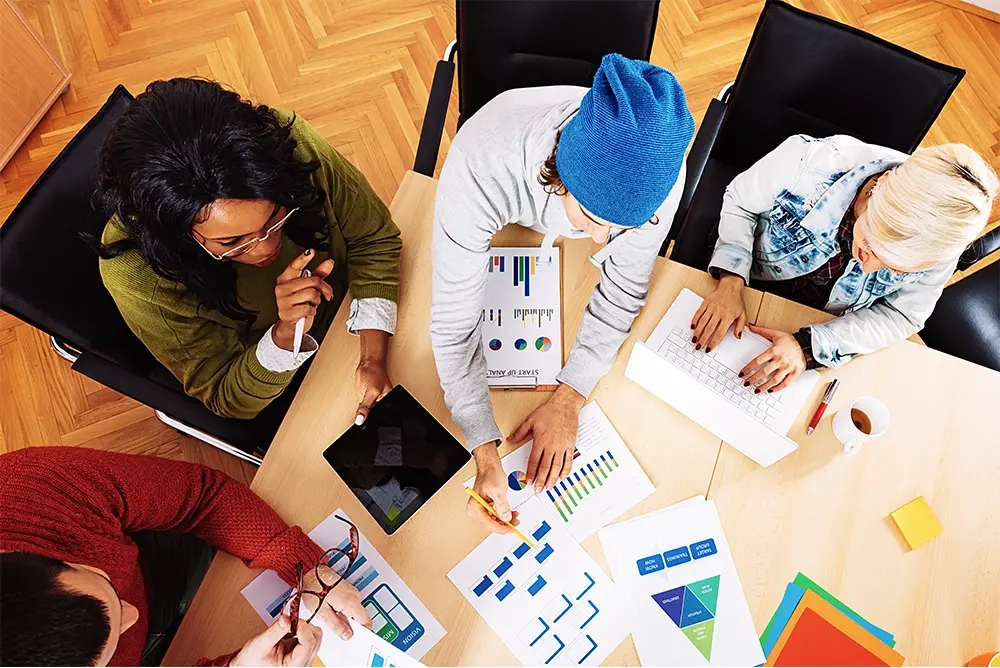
column 820, row 635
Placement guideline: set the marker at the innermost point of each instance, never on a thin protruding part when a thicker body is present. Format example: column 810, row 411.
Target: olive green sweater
column 215, row 357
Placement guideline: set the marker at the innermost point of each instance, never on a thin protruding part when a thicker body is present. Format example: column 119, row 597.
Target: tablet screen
column 397, row 459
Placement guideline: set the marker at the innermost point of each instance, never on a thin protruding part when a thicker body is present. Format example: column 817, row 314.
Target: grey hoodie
column 489, row 180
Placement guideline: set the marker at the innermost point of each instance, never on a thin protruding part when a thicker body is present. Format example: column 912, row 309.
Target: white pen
column 300, row 326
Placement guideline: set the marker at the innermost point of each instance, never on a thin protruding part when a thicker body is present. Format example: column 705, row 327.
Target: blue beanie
column 621, row 154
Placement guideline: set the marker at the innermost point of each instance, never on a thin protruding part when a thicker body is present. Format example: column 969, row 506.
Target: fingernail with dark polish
column 708, row 350
column 746, row 383
column 740, row 374
column 756, row 391
column 698, row 347
column 770, row 391
column 692, row 326
column 309, row 251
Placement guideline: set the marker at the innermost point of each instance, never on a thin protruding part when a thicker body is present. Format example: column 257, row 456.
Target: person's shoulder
column 842, row 151
column 132, row 282
column 510, row 113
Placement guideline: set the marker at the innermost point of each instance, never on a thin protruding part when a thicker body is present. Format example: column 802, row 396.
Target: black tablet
column 397, row 459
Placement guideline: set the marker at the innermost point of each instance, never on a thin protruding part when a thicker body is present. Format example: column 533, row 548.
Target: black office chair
column 804, row 74
column 966, row 320
column 504, row 44
column 49, row 278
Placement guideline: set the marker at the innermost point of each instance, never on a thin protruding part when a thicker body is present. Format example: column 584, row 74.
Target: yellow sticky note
column 917, row 523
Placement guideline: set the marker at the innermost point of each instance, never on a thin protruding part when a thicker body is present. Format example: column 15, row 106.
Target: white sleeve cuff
column 279, row 360
column 372, row 313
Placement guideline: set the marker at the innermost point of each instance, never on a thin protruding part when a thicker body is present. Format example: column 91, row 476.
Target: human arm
column 886, row 321
column 465, row 221
column 749, row 195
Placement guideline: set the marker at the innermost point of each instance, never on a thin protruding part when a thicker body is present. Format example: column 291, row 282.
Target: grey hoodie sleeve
column 465, row 220
column 616, row 301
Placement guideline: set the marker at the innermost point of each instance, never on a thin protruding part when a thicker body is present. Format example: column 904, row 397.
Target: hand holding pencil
column 298, row 295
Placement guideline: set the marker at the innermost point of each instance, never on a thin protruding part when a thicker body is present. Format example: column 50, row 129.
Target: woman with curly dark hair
column 229, row 223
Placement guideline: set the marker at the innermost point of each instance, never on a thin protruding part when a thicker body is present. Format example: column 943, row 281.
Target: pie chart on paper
column 496, row 344
column 543, row 344
column 516, row 481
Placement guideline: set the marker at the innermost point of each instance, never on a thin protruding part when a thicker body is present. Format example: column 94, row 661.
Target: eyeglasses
column 316, row 598
column 245, row 248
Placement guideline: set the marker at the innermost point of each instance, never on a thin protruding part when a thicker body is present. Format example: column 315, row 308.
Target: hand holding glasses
column 326, row 578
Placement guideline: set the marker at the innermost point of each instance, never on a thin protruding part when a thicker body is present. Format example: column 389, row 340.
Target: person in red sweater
column 75, row 587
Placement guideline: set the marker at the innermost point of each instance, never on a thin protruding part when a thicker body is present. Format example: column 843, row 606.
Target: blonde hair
column 931, row 207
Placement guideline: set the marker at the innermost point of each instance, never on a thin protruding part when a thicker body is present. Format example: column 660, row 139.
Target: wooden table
column 826, row 514
column 816, row 511
column 678, row 455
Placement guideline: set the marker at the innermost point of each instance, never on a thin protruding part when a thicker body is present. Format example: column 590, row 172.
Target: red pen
column 831, row 390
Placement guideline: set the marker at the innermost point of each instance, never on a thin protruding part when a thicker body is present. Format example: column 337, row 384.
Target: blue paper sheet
column 790, row 601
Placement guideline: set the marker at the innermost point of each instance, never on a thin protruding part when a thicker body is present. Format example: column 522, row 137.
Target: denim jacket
column 780, row 220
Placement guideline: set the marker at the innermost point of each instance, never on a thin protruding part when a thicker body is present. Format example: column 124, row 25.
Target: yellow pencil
column 492, row 512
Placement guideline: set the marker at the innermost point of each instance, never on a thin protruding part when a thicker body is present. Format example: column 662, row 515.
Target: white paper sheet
column 686, row 603
column 551, row 605
column 398, row 615
column 605, row 482
column 522, row 317
column 363, row 649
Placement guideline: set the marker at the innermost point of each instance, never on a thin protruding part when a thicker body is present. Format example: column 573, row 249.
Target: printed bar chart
column 568, row 494
column 524, row 269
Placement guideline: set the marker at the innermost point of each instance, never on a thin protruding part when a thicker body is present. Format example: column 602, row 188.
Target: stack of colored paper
column 813, row 628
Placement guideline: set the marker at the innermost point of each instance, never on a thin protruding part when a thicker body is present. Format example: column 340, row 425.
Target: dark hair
column 548, row 174
column 180, row 146
column 41, row 622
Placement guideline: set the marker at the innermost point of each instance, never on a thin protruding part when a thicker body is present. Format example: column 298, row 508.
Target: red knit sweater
column 78, row 505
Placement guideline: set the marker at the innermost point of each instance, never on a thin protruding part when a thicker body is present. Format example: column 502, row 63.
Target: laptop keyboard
column 679, row 350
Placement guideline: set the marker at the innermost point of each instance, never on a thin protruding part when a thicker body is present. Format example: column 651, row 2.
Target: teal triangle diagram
column 692, row 608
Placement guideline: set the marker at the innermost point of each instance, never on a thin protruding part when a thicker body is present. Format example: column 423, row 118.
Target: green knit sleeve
column 371, row 236
column 205, row 354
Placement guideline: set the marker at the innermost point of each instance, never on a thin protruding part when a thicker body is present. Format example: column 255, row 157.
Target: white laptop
column 706, row 387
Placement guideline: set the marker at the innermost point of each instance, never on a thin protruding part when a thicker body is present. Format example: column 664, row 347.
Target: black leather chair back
column 806, row 74
column 504, row 44
column 49, row 276
column 966, row 321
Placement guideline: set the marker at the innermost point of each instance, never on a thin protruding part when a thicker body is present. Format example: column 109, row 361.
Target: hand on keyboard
column 712, row 372
column 718, row 312
column 775, row 368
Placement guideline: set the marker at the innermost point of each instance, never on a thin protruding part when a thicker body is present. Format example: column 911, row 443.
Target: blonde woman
column 861, row 231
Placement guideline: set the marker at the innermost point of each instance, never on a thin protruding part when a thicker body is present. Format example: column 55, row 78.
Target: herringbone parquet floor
column 359, row 70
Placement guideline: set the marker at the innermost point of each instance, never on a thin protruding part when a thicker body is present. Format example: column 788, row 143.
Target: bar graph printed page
column 606, row 479
column 397, row 614
column 551, row 605
column 522, row 317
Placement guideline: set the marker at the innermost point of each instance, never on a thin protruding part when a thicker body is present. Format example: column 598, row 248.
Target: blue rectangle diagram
column 366, row 578
column 563, row 612
column 676, row 557
column 536, row 586
column 505, row 590
column 593, row 646
column 544, row 553
column 541, row 530
column 482, row 587
column 650, row 564
column 592, row 615
column 703, row 549
column 521, row 550
column 502, row 567
column 590, row 585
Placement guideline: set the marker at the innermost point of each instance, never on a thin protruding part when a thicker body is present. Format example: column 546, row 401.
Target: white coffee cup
column 873, row 414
